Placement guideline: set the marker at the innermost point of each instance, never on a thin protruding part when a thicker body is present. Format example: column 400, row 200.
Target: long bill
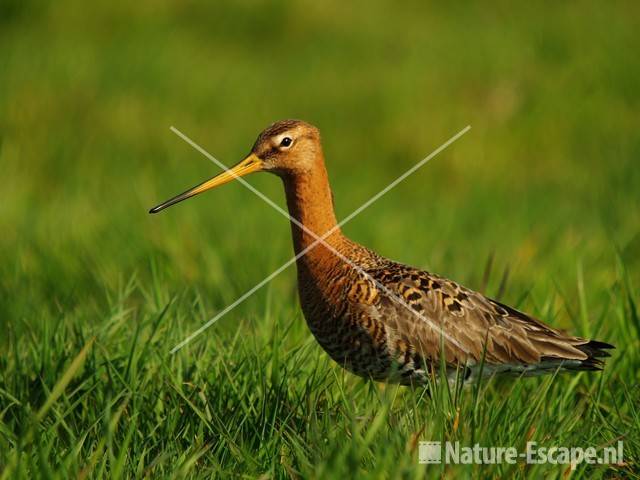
column 250, row 164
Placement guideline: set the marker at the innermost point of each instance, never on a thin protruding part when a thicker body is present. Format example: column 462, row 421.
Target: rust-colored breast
column 391, row 322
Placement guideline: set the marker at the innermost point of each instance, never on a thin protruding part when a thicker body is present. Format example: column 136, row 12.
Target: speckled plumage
column 363, row 324
column 384, row 320
column 388, row 321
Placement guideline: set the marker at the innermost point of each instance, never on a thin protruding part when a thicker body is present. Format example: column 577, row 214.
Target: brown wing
column 437, row 312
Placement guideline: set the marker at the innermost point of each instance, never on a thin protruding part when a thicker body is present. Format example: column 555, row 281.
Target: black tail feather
column 595, row 350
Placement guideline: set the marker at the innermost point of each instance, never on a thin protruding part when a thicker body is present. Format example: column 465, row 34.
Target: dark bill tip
column 172, row 201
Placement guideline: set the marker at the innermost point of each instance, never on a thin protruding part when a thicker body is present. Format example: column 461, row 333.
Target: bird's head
column 286, row 148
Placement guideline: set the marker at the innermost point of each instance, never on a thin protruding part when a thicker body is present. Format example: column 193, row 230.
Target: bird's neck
column 310, row 203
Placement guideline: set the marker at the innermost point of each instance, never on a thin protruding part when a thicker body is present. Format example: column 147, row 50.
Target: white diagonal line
column 318, row 239
column 233, row 305
column 405, row 175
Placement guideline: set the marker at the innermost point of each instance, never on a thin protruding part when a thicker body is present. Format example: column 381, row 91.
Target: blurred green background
column 547, row 180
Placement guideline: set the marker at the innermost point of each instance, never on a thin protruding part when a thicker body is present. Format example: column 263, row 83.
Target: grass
column 94, row 292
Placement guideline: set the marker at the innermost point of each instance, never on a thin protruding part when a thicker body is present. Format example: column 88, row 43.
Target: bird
column 384, row 320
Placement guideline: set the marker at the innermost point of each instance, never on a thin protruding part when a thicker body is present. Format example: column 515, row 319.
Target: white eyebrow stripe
column 278, row 138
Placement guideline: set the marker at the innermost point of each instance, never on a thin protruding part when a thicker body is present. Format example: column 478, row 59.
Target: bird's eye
column 286, row 142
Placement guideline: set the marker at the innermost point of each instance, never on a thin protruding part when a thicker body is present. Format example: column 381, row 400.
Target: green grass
column 94, row 292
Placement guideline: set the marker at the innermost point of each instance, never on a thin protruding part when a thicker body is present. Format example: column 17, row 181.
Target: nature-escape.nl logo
column 454, row 453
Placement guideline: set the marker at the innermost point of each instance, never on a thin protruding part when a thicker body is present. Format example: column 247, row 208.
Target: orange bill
column 250, row 164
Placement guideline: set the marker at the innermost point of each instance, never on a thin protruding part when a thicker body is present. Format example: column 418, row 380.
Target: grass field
column 94, row 292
